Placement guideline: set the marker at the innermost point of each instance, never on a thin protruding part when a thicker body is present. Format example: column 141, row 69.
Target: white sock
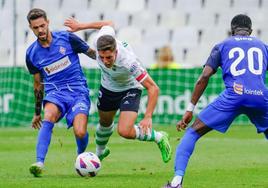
column 151, row 135
column 176, row 181
column 158, row 136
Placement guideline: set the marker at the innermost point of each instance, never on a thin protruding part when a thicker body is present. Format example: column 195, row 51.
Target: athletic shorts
column 221, row 120
column 128, row 100
column 69, row 103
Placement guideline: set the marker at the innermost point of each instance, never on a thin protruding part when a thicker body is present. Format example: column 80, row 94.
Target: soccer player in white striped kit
column 122, row 81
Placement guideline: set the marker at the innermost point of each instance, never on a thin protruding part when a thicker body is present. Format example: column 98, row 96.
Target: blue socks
column 185, row 150
column 44, row 137
column 82, row 143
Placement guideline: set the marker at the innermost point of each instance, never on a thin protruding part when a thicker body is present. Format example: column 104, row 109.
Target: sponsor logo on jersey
column 240, row 89
column 253, row 92
column 62, row 50
column 57, row 66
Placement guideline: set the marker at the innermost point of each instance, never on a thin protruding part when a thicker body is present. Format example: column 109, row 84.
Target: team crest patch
column 62, row 50
column 238, row 88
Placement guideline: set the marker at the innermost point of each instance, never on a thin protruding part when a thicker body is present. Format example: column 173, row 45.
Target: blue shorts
column 216, row 118
column 69, row 103
column 128, row 100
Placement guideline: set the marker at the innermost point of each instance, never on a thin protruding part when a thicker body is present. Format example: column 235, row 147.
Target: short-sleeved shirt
column 243, row 60
column 59, row 63
column 127, row 71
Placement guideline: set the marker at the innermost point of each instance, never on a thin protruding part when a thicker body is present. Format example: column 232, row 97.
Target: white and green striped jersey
column 127, row 71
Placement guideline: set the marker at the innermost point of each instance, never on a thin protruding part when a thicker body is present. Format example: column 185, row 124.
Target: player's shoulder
column 126, row 54
column 60, row 34
column 32, row 48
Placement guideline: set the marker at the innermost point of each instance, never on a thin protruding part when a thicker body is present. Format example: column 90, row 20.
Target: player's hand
column 186, row 119
column 36, row 122
column 72, row 24
column 146, row 124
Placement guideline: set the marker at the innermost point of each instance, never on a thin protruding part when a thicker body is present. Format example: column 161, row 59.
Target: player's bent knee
column 128, row 134
column 50, row 118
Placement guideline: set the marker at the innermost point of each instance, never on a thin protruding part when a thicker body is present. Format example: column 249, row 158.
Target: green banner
column 17, row 101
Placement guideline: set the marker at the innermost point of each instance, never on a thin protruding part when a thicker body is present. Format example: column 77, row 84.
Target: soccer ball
column 87, row 164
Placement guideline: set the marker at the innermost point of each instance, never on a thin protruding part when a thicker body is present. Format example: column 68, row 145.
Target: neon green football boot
column 165, row 147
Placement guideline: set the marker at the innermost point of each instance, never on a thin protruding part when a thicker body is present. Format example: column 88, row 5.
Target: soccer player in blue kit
column 54, row 63
column 243, row 60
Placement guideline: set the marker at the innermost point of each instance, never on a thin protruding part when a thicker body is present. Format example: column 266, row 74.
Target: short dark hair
column 241, row 21
column 36, row 13
column 106, row 42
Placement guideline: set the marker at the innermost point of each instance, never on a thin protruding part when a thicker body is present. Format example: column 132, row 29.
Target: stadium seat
column 88, row 16
column 185, row 36
column 245, row 5
column 157, row 36
column 74, row 6
column 7, row 4
column 179, row 54
column 202, row 18
column 197, row 56
column 46, row 6
column 263, row 4
column 102, row 5
column 146, row 53
column 131, row 6
column 217, row 5
column 6, row 48
column 213, row 35
column 132, row 35
column 188, row 5
column 5, row 57
column 120, row 19
column 143, row 19
column 160, row 5
column 172, row 19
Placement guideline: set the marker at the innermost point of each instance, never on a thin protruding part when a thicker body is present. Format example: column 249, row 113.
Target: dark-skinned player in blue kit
column 243, row 60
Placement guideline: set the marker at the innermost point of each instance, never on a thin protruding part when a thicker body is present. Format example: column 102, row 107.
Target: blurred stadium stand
column 191, row 27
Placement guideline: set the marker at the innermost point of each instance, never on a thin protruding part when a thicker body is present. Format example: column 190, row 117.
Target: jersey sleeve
column 214, row 59
column 138, row 71
column 78, row 45
column 31, row 68
column 266, row 46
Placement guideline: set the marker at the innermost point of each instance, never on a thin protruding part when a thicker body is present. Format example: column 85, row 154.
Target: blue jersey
column 243, row 60
column 59, row 63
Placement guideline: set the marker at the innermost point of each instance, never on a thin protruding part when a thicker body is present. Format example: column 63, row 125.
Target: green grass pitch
column 237, row 159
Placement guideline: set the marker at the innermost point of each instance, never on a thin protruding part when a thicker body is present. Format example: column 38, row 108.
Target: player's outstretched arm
column 199, row 88
column 74, row 25
column 38, row 93
column 91, row 53
column 153, row 91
